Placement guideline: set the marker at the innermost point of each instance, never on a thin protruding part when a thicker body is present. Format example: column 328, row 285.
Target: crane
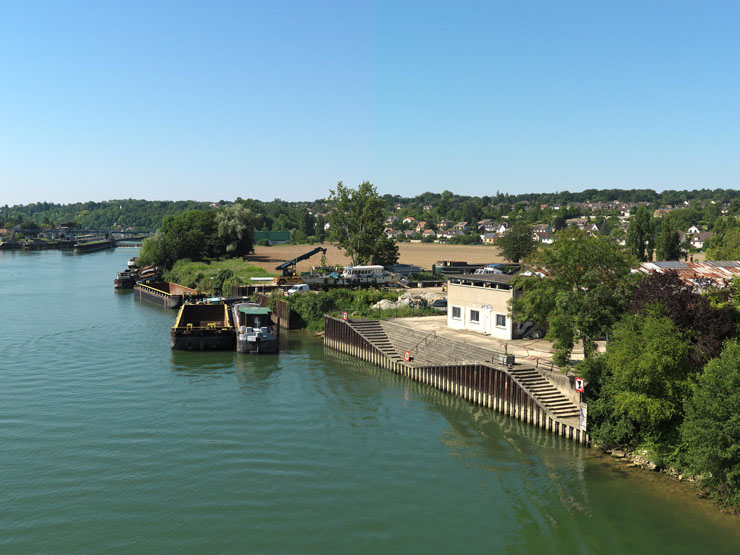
column 288, row 267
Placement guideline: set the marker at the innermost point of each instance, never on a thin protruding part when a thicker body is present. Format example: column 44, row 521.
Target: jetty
column 480, row 375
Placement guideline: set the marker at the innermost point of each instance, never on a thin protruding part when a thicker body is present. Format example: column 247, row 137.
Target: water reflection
column 202, row 364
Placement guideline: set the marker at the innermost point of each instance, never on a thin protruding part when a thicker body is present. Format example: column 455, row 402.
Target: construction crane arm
column 286, row 266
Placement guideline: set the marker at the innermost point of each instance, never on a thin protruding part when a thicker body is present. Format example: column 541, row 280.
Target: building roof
column 482, row 280
column 698, row 274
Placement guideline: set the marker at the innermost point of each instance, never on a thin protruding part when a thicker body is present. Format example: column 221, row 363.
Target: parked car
column 299, row 288
column 440, row 304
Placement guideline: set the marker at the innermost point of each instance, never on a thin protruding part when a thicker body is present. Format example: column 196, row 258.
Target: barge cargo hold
column 94, row 246
column 253, row 327
column 202, row 327
column 169, row 295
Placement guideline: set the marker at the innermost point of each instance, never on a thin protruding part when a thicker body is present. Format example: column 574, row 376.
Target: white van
column 300, row 288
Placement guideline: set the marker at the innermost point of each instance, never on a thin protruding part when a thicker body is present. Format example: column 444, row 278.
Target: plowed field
column 421, row 254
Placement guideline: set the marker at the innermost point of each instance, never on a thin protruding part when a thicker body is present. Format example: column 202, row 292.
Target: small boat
column 132, row 263
column 126, row 279
column 202, row 327
column 254, row 330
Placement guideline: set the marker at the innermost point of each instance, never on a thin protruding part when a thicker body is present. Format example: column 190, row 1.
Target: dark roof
column 254, row 310
column 483, row 278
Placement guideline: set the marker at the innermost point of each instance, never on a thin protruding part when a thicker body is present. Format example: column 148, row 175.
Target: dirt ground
column 420, row 254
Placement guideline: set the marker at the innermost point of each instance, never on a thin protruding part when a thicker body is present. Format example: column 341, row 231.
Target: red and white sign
column 580, row 386
column 407, row 356
column 344, row 315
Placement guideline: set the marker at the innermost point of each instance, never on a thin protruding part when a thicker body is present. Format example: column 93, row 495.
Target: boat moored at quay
column 351, row 276
column 253, row 329
column 84, row 247
column 202, row 327
column 167, row 294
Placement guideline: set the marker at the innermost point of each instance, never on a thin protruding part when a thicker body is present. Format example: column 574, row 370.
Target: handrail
column 423, row 339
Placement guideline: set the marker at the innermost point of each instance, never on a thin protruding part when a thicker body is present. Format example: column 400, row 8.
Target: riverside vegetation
column 668, row 383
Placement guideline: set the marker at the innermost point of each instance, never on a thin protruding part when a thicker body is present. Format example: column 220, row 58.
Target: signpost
column 344, row 315
column 579, row 385
column 407, row 356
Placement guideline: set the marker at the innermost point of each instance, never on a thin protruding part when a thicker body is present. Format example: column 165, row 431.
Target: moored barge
column 169, row 295
column 202, row 327
column 94, row 246
column 253, row 329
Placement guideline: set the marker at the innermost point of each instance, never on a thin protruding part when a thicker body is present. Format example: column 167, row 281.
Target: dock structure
column 482, row 376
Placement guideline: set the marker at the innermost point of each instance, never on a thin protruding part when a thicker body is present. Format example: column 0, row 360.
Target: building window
column 474, row 316
column 500, row 320
column 456, row 312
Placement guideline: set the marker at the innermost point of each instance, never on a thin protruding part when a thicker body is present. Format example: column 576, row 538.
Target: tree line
column 669, row 381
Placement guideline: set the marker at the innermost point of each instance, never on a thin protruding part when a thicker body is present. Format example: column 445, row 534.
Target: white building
column 480, row 303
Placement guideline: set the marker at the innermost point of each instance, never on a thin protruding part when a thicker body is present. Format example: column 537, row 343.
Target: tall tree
column 725, row 246
column 640, row 235
column 668, row 242
column 711, row 430
column 584, row 292
column 517, row 243
column 386, row 252
column 636, row 389
column 236, row 229
column 356, row 220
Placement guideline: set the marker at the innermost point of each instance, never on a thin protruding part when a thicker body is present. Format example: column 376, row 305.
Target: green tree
column 640, row 383
column 386, row 252
column 711, row 430
column 517, row 243
column 236, row 229
column 585, row 291
column 725, row 246
column 192, row 234
column 668, row 242
column 356, row 220
column 640, row 235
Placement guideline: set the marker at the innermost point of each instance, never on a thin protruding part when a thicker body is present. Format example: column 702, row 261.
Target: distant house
column 420, row 226
column 410, row 234
column 542, row 228
column 591, row 229
column 427, row 207
column 693, row 230
column 461, row 226
column 544, row 237
column 489, row 238
column 390, row 220
column 428, row 233
column 698, row 240
column 486, row 225
column 444, row 224
column 579, row 223
column 409, row 220
column 503, row 227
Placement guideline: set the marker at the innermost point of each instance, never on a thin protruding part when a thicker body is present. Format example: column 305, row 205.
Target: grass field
column 420, row 254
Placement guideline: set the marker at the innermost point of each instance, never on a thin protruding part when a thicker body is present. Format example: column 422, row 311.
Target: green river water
column 111, row 442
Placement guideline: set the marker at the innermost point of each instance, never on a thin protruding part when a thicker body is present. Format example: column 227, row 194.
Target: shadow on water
column 202, row 364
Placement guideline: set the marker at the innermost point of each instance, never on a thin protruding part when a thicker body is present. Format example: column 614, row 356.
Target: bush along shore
column 666, row 394
column 358, row 303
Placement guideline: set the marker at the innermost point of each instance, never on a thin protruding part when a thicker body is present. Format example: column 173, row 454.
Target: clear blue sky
column 214, row 100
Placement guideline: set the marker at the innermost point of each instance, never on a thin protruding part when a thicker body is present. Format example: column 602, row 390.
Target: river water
column 110, row 441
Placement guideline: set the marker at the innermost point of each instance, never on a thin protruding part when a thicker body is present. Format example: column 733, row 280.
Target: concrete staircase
column 373, row 332
column 433, row 350
column 548, row 396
